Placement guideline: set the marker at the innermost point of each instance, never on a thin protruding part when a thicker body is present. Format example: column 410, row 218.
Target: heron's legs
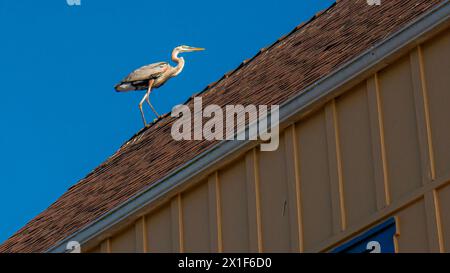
column 147, row 96
column 142, row 112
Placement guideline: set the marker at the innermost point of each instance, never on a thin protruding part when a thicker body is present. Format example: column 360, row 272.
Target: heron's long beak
column 197, row 49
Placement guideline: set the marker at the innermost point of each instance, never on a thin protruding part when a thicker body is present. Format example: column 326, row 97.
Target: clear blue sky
column 60, row 116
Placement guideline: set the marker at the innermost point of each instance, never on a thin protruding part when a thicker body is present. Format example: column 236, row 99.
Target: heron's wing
column 147, row 72
column 138, row 79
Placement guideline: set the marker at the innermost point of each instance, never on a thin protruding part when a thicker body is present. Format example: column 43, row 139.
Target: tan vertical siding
column 195, row 211
column 140, row 230
column 356, row 153
column 105, row 246
column 293, row 181
column 423, row 115
column 177, row 224
column 314, row 180
column 400, row 129
column 433, row 222
column 412, row 225
column 436, row 54
column 253, row 201
column 159, row 232
column 335, row 168
column 96, row 249
column 215, row 213
column 124, row 241
column 444, row 209
column 274, row 196
column 233, row 189
column 379, row 163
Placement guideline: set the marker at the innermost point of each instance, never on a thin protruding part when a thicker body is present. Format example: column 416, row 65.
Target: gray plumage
column 138, row 79
column 153, row 76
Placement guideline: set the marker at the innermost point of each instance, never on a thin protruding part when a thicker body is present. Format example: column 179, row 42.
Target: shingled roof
column 310, row 52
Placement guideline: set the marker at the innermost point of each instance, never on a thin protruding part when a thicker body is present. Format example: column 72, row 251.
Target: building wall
column 380, row 149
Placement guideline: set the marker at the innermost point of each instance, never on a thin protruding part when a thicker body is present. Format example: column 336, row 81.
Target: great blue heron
column 153, row 76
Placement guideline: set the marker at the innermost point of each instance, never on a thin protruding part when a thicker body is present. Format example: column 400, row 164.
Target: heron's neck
column 179, row 61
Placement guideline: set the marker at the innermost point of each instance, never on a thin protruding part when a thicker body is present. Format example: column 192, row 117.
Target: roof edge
column 292, row 107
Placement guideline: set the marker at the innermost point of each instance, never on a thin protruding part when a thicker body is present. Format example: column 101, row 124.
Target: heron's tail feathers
column 124, row 87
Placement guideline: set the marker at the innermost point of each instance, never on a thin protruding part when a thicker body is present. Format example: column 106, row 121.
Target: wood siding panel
column 96, row 249
column 314, row 180
column 274, row 200
column 400, row 129
column 444, row 209
column 233, row 190
column 195, row 211
column 436, row 57
column 124, row 242
column 159, row 232
column 412, row 229
column 356, row 152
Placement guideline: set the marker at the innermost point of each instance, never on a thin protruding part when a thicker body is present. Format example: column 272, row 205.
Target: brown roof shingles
column 307, row 54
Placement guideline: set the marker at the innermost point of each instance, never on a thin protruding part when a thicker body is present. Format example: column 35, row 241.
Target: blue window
column 379, row 239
